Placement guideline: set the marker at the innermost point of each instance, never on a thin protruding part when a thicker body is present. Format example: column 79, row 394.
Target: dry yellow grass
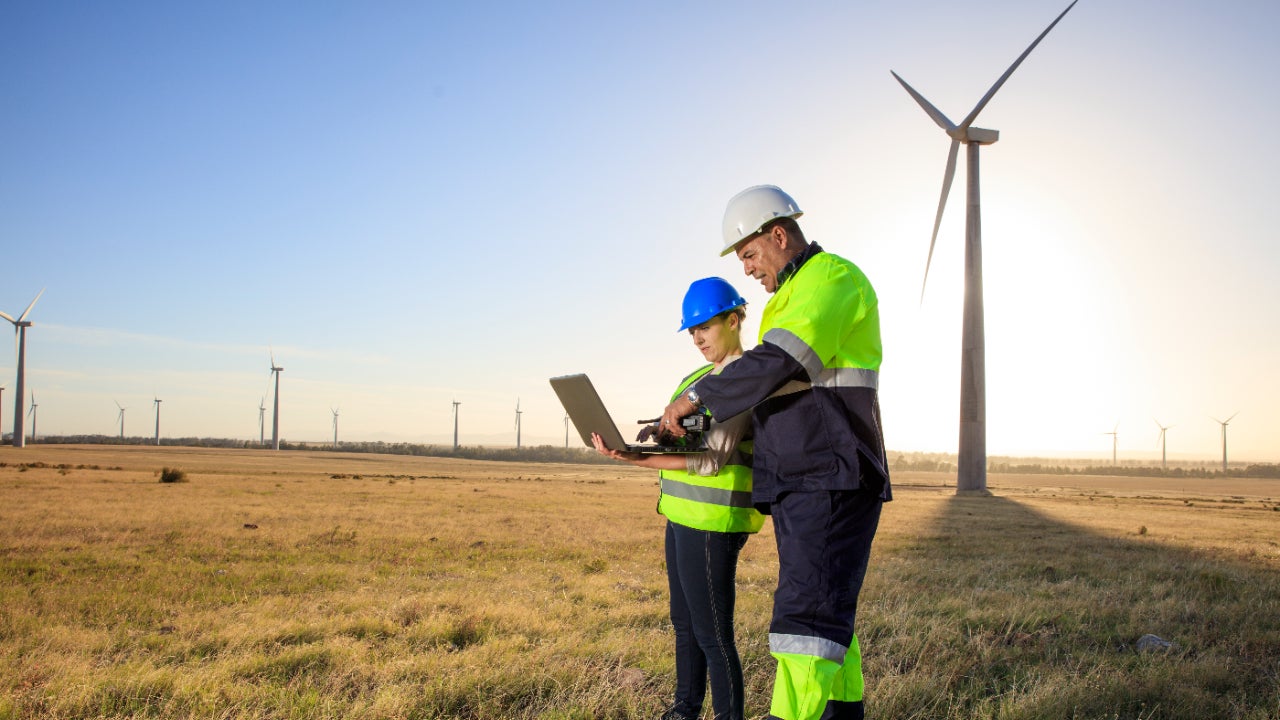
column 327, row 585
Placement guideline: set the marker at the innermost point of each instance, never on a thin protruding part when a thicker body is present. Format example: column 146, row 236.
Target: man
column 819, row 461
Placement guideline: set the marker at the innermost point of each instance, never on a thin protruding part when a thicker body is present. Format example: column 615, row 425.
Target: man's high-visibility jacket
column 812, row 382
column 716, row 503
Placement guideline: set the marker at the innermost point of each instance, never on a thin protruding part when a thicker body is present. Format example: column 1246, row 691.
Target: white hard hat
column 750, row 209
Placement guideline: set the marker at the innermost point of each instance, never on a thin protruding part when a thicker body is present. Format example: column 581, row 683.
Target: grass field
column 328, row 585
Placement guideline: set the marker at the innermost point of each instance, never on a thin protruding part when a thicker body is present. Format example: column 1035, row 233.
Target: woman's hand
column 626, row 457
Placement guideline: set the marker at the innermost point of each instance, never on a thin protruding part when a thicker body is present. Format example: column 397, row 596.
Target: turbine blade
column 1224, row 422
column 947, row 177
column 994, row 88
column 8, row 317
column 932, row 111
column 23, row 316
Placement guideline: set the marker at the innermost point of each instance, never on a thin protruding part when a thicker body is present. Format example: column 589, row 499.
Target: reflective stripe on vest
column 704, row 494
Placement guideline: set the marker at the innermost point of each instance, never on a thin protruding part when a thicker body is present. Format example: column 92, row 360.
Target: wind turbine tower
column 1224, row 423
column 275, row 412
column 973, row 411
column 517, row 423
column 1163, row 440
column 20, row 339
column 1, row 413
column 120, row 417
column 566, row 431
column 335, row 427
column 455, row 425
column 158, row 401
column 1114, row 436
column 262, row 414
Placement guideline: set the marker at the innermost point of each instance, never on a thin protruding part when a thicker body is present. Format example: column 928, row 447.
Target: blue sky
column 411, row 203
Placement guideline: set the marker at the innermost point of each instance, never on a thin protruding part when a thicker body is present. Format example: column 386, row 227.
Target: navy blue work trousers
column 824, row 543
column 701, row 569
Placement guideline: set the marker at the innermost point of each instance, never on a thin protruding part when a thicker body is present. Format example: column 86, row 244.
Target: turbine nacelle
column 980, row 136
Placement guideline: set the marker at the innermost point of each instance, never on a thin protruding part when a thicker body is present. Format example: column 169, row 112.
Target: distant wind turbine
column 566, row 431
column 335, row 426
column 1114, row 435
column 32, row 414
column 120, row 417
column 1, row 413
column 973, row 421
column 1162, row 438
column 262, row 414
column 158, row 401
column 455, row 424
column 20, row 346
column 517, row 423
column 1223, row 423
column 275, row 412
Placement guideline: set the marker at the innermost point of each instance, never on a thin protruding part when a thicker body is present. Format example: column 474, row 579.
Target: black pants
column 701, row 568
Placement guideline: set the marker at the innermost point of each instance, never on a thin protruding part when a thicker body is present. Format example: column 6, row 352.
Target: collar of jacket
column 791, row 268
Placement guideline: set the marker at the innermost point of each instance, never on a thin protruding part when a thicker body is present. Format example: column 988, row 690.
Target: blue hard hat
column 707, row 298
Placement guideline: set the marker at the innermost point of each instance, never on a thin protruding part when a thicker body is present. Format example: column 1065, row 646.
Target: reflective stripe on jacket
column 717, row 503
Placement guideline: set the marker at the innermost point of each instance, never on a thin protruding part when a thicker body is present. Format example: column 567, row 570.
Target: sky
column 408, row 204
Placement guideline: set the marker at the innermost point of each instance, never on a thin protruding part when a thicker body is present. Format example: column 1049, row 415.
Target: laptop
column 589, row 415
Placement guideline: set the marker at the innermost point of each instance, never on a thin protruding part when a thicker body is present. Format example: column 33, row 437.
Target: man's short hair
column 790, row 225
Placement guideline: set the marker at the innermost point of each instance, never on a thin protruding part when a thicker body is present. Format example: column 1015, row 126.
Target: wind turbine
column 158, row 401
column 566, row 431
column 335, row 427
column 32, row 414
column 455, row 424
column 20, row 345
column 1224, row 437
column 517, row 423
column 275, row 412
column 1, row 413
column 1114, row 436
column 262, row 413
column 973, row 411
column 120, row 417
column 1163, row 440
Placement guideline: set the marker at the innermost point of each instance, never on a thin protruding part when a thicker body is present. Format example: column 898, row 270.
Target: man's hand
column 670, row 423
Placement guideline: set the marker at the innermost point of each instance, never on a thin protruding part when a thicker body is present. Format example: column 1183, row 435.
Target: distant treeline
column 939, row 462
column 1260, row 470
column 538, row 454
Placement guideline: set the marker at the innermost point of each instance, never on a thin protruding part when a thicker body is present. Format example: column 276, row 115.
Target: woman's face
column 717, row 338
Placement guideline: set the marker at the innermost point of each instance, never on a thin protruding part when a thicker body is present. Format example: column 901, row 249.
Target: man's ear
column 778, row 235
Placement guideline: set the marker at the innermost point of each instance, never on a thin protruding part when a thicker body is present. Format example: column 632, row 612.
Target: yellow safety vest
column 717, row 503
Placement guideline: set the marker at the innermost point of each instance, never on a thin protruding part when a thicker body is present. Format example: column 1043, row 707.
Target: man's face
column 763, row 257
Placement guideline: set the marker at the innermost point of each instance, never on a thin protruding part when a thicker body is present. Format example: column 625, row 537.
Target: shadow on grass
column 997, row 610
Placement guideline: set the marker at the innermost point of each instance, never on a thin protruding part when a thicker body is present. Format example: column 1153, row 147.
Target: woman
column 706, row 498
